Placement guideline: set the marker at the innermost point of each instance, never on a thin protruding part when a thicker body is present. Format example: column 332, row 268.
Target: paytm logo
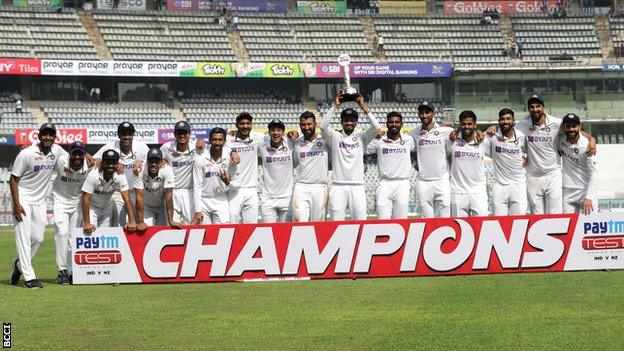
column 97, row 242
column 603, row 227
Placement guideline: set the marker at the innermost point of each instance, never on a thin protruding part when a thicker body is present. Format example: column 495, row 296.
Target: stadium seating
column 29, row 33
column 10, row 120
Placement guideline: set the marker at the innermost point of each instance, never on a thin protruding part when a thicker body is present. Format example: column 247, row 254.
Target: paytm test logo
column 603, row 242
column 97, row 242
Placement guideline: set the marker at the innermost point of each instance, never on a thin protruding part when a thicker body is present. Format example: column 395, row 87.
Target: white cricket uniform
column 580, row 175
column 432, row 181
column 102, row 203
column 277, row 181
column 509, row 195
column 311, row 175
column 182, row 164
column 395, row 165
column 34, row 170
column 139, row 152
column 210, row 193
column 544, row 187
column 244, row 200
column 468, row 182
column 154, row 208
column 346, row 154
column 66, row 194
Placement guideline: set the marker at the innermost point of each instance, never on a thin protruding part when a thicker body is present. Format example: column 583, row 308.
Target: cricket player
column 311, row 159
column 213, row 174
column 468, row 182
column 154, row 193
column 508, row 153
column 130, row 153
column 544, row 179
column 71, row 171
column 432, row 180
column 580, row 173
column 244, row 200
column 98, row 204
column 347, row 152
column 30, row 176
column 395, row 165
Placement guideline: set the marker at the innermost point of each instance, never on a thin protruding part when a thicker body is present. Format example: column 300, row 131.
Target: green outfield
column 566, row 311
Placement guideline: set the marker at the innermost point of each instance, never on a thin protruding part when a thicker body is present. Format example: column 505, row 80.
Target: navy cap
column 125, row 127
column 426, row 104
column 536, row 98
column 349, row 112
column 182, row 126
column 571, row 118
column 110, row 155
column 155, row 153
column 277, row 123
column 47, row 126
column 77, row 146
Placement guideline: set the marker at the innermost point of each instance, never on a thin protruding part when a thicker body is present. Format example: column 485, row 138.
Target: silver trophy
column 348, row 93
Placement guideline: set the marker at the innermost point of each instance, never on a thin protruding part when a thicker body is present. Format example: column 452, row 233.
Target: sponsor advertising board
column 20, row 66
column 618, row 67
column 124, row 5
column 103, row 136
column 305, row 6
column 387, row 70
column 509, row 7
column 7, row 139
column 39, row 3
column 275, row 6
column 165, row 135
column 63, row 136
column 354, row 249
column 114, row 68
column 402, row 7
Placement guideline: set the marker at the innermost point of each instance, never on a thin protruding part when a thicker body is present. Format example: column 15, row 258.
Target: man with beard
column 98, row 205
column 347, row 153
column 394, row 161
column 544, row 182
column 579, row 169
column 154, row 188
column 213, row 174
column 244, row 200
column 276, row 155
column 468, row 182
column 432, row 181
column 71, row 171
column 31, row 173
column 130, row 153
column 311, row 156
column 508, row 153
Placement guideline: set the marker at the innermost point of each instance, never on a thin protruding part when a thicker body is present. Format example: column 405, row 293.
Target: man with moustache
column 432, row 185
column 71, row 171
column 508, row 153
column 395, row 165
column 468, row 182
column 580, row 173
column 347, row 153
column 311, row 158
column 213, row 174
column 98, row 204
column 276, row 155
column 31, row 173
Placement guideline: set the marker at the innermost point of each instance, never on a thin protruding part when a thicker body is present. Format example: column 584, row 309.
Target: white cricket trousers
column 544, row 192
column 215, row 210
column 434, row 197
column 392, row 198
column 275, row 210
column 120, row 218
column 573, row 200
column 352, row 196
column 309, row 202
column 154, row 216
column 509, row 199
column 183, row 205
column 469, row 204
column 29, row 236
column 243, row 201
column 64, row 221
column 102, row 216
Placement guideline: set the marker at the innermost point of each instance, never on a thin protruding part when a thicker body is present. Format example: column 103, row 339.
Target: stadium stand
column 164, row 36
column 11, row 120
column 29, row 33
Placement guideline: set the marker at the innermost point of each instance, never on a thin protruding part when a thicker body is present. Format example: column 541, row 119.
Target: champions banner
column 356, row 249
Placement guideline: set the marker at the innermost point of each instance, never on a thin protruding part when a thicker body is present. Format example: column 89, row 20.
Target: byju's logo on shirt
column 504, row 150
column 425, row 142
column 467, row 154
column 38, row 168
column 276, row 159
column 305, row 154
column 392, row 151
column 177, row 164
column 344, row 145
column 540, row 139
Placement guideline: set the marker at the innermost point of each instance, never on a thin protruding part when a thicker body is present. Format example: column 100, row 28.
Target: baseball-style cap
column 125, row 127
column 47, row 126
column 571, row 118
column 244, row 115
column 77, row 146
column 425, row 104
column 349, row 112
column 110, row 155
column 277, row 123
column 182, row 126
column 535, row 98
column 155, row 153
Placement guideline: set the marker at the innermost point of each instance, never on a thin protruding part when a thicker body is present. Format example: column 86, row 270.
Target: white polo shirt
column 34, row 170
column 180, row 162
column 247, row 149
column 508, row 157
column 542, row 141
column 311, row 161
column 154, row 188
column 207, row 177
column 431, row 151
column 579, row 169
column 467, row 166
column 139, row 152
column 66, row 188
column 102, row 191
column 393, row 156
column 277, row 169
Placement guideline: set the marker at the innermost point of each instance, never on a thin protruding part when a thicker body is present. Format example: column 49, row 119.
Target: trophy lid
column 344, row 60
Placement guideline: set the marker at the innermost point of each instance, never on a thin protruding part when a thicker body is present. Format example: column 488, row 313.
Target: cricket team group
column 542, row 164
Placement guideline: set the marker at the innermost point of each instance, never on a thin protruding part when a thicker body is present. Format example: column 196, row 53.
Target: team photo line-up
column 542, row 163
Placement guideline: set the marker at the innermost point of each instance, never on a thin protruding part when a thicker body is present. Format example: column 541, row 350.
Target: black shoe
column 15, row 276
column 71, row 279
column 33, row 284
column 63, row 277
